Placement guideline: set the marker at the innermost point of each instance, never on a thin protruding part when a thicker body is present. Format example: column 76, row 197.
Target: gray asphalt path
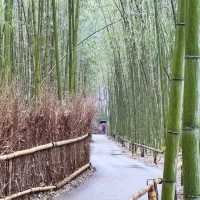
column 117, row 176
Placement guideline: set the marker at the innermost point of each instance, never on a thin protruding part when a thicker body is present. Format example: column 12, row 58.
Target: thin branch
column 99, row 30
column 173, row 11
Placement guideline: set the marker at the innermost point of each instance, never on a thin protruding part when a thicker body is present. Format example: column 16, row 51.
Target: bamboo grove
column 139, row 57
column 39, row 46
column 137, row 88
column 153, row 84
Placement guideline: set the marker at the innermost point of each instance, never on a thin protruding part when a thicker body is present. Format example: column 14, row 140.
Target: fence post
column 142, row 152
column 155, row 157
column 153, row 192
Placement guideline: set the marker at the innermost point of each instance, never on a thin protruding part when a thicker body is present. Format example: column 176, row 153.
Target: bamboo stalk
column 58, row 74
column 174, row 122
column 8, row 41
column 51, row 187
column 191, row 105
column 142, row 192
column 42, row 147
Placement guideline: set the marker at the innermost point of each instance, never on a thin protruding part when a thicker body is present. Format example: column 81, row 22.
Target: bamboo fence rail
column 42, row 147
column 18, row 154
column 122, row 140
column 51, row 187
column 148, row 148
column 131, row 145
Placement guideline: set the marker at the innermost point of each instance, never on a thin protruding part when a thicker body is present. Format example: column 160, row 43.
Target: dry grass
column 25, row 126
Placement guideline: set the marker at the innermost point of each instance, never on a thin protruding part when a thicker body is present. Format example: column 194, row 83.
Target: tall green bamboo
column 175, row 107
column 36, row 47
column 127, row 56
column 59, row 88
column 191, row 106
column 8, row 40
column 70, row 46
column 73, row 13
column 160, row 63
column 75, row 40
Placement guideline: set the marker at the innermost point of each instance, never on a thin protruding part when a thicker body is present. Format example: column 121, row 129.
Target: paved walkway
column 117, row 176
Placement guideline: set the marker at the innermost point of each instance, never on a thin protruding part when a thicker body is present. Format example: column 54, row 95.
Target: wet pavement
column 117, row 175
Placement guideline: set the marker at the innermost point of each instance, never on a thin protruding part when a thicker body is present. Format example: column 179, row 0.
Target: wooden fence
column 43, row 168
column 151, row 188
column 143, row 148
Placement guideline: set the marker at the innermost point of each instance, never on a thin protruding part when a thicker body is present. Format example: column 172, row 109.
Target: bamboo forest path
column 117, row 175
